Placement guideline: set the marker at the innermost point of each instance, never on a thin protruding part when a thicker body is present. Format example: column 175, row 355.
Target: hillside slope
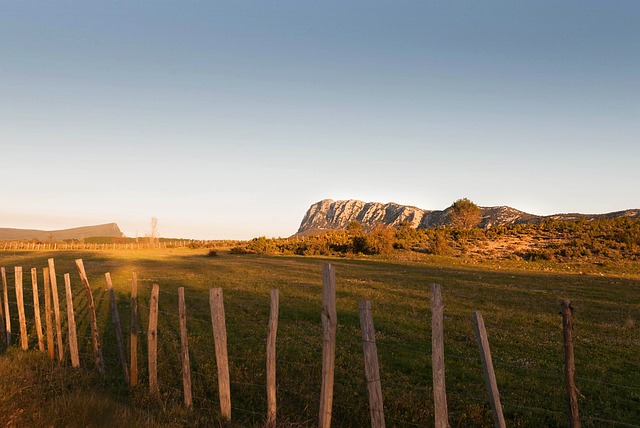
column 104, row 230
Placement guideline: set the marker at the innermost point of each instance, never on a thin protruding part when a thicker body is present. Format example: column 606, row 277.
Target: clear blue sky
column 228, row 119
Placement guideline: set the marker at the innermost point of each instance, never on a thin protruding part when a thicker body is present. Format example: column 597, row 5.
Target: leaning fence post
column 6, row 305
column 47, row 313
column 3, row 325
column 24, row 339
column 569, row 363
column 487, row 365
column 372, row 371
column 95, row 336
column 220, row 341
column 36, row 308
column 329, row 324
column 133, row 372
column 116, row 325
column 152, row 338
column 71, row 321
column 56, row 307
column 271, row 358
column 184, row 345
column 437, row 357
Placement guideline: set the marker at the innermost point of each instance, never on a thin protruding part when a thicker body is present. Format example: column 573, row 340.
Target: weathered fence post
column 371, row 369
column 56, row 308
column 437, row 357
column 133, row 372
column 47, row 313
column 6, row 306
column 71, row 321
column 36, row 308
column 3, row 325
column 271, row 358
column 184, row 345
column 329, row 324
column 116, row 325
column 152, row 339
column 219, row 326
column 487, row 365
column 569, row 363
column 24, row 339
column 95, row 336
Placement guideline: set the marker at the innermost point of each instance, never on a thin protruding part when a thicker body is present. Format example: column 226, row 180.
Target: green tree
column 439, row 244
column 380, row 240
column 464, row 214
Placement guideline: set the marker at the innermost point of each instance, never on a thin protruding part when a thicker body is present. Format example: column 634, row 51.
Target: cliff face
column 330, row 215
column 103, row 230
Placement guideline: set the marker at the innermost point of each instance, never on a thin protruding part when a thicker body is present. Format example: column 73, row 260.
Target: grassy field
column 519, row 302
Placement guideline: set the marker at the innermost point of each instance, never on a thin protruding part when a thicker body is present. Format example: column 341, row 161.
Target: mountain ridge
column 328, row 214
column 103, row 230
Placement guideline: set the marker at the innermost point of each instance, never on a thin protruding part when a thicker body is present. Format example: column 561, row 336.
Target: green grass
column 519, row 302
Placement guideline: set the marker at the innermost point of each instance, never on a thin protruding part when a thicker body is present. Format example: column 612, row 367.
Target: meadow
column 519, row 300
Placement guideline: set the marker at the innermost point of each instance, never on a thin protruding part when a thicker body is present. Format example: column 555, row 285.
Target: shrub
column 240, row 250
column 439, row 245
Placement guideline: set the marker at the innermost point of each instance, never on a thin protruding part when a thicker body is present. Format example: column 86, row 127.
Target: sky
column 228, row 119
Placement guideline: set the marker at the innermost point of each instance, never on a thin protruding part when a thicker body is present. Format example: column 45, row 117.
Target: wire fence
column 142, row 244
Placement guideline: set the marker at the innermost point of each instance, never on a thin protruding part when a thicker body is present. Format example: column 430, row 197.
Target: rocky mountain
column 330, row 215
column 103, row 230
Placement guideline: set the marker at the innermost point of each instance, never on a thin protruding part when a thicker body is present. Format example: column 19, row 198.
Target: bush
column 380, row 240
column 538, row 255
column 240, row 250
column 439, row 245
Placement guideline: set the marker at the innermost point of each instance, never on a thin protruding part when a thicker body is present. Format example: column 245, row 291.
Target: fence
column 86, row 347
column 144, row 245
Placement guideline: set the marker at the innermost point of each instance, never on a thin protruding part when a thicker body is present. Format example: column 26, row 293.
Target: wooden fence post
column 152, row 339
column 184, row 345
column 271, row 358
column 372, row 371
column 3, row 332
column 71, row 321
column 219, row 326
column 329, row 325
column 569, row 363
column 56, row 308
column 48, row 316
column 24, row 339
column 6, row 306
column 489, row 374
column 36, row 308
column 133, row 372
column 115, row 316
column 437, row 357
column 97, row 347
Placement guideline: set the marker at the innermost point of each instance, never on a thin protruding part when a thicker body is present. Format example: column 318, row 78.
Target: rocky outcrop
column 328, row 214
column 331, row 215
column 110, row 230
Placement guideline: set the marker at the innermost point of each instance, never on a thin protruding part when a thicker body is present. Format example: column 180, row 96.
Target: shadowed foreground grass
column 520, row 308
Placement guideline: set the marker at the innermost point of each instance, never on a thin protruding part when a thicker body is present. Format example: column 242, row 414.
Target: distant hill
column 330, row 215
column 110, row 230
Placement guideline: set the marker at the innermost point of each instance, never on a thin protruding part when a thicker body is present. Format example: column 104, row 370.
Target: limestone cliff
column 329, row 215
